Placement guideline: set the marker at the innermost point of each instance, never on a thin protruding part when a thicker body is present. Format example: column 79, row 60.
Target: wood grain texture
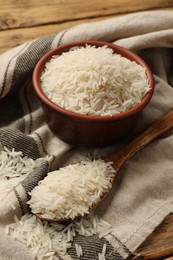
column 24, row 20
column 11, row 38
column 18, row 36
column 160, row 127
column 22, row 14
column 159, row 245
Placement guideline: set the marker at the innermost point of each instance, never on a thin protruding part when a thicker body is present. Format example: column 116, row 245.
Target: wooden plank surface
column 10, row 38
column 159, row 245
column 21, row 14
column 16, row 37
column 23, row 20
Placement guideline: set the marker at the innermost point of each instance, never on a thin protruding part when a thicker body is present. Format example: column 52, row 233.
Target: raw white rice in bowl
column 92, row 92
column 94, row 81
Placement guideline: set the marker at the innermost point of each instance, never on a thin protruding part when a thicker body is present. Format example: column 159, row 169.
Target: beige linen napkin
column 143, row 196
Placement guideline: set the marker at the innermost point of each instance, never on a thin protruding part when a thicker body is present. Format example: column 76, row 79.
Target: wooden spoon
column 121, row 156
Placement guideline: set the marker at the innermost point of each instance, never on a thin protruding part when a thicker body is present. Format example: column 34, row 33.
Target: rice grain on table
column 94, row 81
column 72, row 190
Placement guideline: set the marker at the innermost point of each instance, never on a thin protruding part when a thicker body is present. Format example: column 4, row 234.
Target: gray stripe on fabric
column 29, row 110
column 13, row 138
column 26, row 62
column 58, row 39
column 29, row 103
column 91, row 247
column 42, row 144
column 123, row 246
column 11, row 111
column 32, row 179
column 61, row 37
column 19, row 201
column 21, row 125
column 59, row 257
column 6, row 72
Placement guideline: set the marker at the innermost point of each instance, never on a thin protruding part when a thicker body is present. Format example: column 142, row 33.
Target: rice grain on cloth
column 141, row 200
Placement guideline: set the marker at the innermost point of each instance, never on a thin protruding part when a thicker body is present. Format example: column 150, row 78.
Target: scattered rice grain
column 47, row 239
column 14, row 167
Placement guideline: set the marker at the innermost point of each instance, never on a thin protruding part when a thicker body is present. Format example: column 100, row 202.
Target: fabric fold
column 142, row 198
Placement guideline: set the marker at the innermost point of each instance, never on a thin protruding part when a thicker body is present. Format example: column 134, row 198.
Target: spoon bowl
column 120, row 157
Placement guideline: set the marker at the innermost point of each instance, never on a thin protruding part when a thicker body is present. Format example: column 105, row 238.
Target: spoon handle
column 121, row 156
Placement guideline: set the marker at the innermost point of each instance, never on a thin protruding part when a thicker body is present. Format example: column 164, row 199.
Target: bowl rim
column 116, row 48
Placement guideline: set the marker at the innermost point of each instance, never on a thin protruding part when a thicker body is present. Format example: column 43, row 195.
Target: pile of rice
column 49, row 239
column 94, row 81
column 14, row 167
column 71, row 191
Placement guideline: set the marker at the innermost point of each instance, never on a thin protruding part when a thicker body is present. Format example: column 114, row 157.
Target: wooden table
column 23, row 20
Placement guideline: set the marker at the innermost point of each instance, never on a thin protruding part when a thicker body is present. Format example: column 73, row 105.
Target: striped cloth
column 144, row 195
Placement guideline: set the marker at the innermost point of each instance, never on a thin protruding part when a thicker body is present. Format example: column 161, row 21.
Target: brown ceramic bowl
column 87, row 130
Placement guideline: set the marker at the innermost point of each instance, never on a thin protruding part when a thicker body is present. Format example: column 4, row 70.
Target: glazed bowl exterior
column 86, row 130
